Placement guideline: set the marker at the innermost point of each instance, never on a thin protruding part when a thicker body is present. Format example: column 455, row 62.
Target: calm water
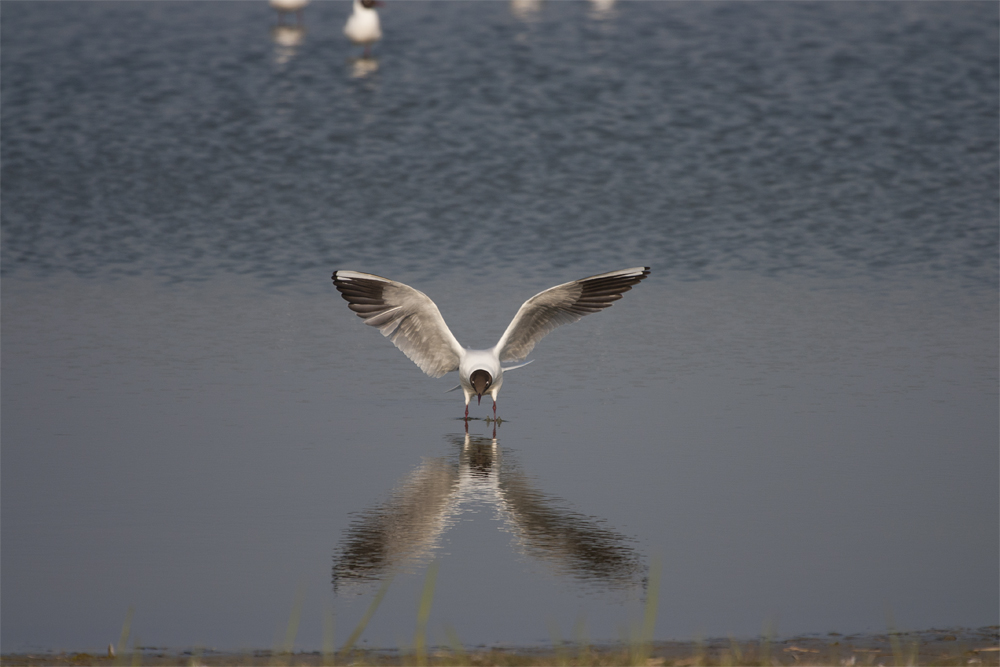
column 794, row 419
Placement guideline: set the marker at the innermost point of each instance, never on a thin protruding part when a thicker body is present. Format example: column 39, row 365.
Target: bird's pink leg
column 466, row 411
column 494, row 409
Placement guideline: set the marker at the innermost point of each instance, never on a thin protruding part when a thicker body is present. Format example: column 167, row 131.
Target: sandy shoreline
column 955, row 646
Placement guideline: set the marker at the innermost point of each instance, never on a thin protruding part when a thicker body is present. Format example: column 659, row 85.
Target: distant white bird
column 414, row 324
column 363, row 26
column 289, row 7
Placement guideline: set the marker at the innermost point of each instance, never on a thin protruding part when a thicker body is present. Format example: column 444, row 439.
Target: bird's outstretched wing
column 405, row 316
column 563, row 304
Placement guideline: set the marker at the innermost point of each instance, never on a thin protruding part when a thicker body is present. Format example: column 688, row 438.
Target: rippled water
column 794, row 418
column 797, row 138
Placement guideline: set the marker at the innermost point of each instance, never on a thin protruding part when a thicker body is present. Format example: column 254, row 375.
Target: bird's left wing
column 563, row 304
column 405, row 316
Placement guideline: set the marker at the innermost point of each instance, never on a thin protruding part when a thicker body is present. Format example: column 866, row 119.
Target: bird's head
column 480, row 381
column 369, row 4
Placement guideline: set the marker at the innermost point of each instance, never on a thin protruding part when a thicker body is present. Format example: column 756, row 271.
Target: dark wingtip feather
column 363, row 295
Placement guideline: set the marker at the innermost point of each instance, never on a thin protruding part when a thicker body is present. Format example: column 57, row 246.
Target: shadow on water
column 406, row 529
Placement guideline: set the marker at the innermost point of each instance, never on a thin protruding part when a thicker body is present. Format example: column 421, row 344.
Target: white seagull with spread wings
column 414, row 324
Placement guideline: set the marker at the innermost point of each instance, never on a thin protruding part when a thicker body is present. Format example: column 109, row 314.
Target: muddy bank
column 931, row 647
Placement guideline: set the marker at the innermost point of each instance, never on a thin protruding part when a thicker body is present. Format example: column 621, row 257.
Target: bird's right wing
column 563, row 304
column 405, row 316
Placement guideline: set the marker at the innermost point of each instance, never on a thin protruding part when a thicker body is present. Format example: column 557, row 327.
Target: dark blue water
column 793, row 420
column 795, row 139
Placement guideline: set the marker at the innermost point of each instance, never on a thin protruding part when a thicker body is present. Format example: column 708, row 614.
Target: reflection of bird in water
column 414, row 324
column 602, row 8
column 406, row 529
column 289, row 7
column 363, row 26
column 287, row 39
column 525, row 9
column 362, row 67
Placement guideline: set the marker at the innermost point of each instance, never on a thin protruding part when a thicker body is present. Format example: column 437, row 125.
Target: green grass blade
column 293, row 623
column 123, row 639
column 423, row 613
column 363, row 623
column 329, row 653
column 770, row 631
column 642, row 645
column 461, row 657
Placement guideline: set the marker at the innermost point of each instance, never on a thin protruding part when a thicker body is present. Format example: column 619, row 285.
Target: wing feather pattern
column 563, row 304
column 405, row 316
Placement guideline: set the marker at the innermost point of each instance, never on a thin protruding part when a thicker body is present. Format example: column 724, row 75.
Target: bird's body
column 363, row 26
column 414, row 324
column 471, row 363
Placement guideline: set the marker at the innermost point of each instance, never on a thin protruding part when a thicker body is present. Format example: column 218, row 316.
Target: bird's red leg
column 494, row 409
column 466, row 411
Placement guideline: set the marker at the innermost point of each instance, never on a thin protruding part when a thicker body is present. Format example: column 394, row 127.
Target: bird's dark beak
column 479, row 399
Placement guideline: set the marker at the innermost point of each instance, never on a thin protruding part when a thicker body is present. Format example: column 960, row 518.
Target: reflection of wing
column 575, row 543
column 563, row 304
column 404, row 529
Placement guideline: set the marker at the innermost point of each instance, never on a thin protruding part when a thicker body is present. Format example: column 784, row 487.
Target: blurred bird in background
column 363, row 27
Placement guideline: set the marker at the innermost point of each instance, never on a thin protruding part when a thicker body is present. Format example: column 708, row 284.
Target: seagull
column 413, row 323
column 363, row 26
